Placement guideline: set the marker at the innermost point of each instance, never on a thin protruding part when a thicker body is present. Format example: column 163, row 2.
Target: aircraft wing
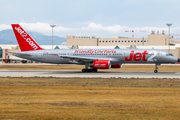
column 86, row 59
column 79, row 58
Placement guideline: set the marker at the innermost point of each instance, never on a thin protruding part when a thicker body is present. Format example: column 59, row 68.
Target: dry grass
column 93, row 82
column 162, row 68
column 78, row 98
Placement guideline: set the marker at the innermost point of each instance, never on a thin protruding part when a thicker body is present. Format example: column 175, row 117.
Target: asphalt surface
column 99, row 74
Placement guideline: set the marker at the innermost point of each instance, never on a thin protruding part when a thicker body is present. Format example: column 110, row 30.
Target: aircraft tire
column 155, row 71
column 89, row 70
column 95, row 70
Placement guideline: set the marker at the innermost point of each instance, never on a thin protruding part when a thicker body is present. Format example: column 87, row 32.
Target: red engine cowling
column 116, row 66
column 101, row 64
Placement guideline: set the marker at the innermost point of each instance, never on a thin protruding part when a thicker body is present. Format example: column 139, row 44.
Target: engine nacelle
column 116, row 66
column 101, row 64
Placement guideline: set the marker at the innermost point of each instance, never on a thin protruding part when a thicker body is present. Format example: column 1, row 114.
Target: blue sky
column 102, row 18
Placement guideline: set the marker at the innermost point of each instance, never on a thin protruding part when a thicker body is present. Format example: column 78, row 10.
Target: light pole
column 169, row 24
column 52, row 33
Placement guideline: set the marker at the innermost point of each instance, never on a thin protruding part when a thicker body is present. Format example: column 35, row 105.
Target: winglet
column 26, row 43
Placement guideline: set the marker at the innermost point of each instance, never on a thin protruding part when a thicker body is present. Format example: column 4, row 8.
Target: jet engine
column 101, row 64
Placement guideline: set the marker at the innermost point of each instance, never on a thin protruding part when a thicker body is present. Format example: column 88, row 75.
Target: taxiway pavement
column 99, row 74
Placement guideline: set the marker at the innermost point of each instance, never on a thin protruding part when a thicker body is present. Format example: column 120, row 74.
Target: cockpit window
column 169, row 54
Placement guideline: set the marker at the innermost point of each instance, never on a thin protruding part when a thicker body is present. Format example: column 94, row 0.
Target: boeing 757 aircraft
column 91, row 58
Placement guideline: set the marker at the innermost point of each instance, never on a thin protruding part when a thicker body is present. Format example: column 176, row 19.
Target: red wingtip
column 26, row 43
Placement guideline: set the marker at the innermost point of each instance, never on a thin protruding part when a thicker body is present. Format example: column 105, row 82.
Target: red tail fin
column 26, row 43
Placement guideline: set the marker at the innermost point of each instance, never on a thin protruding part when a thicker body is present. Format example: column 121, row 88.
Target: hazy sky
column 100, row 18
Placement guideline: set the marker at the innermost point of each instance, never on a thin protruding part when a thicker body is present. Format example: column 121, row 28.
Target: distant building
column 153, row 39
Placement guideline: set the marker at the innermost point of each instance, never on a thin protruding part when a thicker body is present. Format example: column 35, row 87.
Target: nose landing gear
column 156, row 71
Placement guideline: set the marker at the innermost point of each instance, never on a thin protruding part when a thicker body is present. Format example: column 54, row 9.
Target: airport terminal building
column 153, row 39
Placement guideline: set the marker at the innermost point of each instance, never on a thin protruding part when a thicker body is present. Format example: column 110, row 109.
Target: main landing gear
column 88, row 70
column 156, row 71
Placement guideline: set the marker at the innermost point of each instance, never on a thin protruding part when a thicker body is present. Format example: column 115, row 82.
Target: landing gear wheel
column 155, row 71
column 95, row 70
column 89, row 70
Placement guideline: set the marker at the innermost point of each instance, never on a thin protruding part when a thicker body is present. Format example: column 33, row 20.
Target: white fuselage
column 82, row 56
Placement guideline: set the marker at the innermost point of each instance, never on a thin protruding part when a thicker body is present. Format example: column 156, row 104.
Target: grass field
column 95, row 98
column 162, row 68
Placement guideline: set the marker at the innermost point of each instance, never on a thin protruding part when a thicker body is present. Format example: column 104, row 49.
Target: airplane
column 92, row 58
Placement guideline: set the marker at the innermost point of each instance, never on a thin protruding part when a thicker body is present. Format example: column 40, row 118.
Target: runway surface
column 100, row 74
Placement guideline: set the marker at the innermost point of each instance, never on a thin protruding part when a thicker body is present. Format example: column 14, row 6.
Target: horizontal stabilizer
column 20, row 54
